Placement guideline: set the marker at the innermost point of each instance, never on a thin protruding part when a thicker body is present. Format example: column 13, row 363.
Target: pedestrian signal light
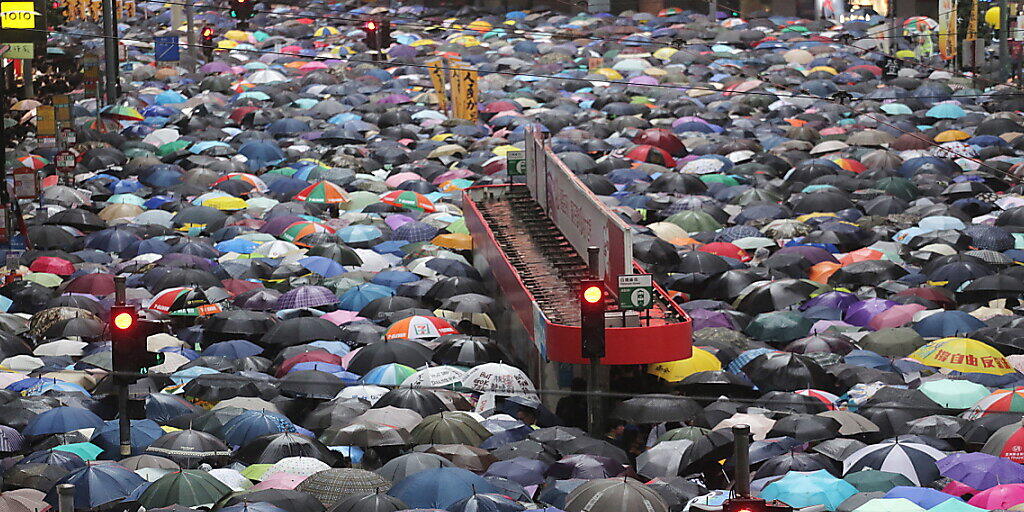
column 592, row 305
column 745, row 505
column 124, row 321
column 241, row 9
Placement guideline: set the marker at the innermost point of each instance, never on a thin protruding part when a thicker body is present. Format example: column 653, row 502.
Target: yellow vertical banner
column 471, row 110
column 458, row 90
column 46, row 121
column 972, row 22
column 947, row 29
column 439, row 81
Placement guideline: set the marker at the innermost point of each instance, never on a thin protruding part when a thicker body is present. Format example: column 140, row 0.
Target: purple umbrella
column 520, row 470
column 980, row 470
column 861, row 313
column 644, row 80
column 703, row 318
column 277, row 225
column 824, row 325
column 395, row 99
column 394, row 221
column 403, row 51
column 306, row 297
column 831, row 300
column 215, row 67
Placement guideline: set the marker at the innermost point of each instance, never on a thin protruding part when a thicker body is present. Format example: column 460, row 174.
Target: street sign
column 636, row 292
column 515, row 162
column 64, row 160
column 26, row 183
column 68, row 136
column 19, row 51
column 166, row 48
column 22, row 22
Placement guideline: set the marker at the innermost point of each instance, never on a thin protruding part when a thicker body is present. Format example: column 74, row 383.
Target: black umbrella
column 287, row 499
column 235, row 324
column 270, row 448
column 805, row 427
column 787, row 372
column 467, row 351
column 775, row 295
column 409, row 353
column 658, row 409
column 190, row 448
column 369, row 502
column 423, row 401
column 310, row 384
column 296, row 331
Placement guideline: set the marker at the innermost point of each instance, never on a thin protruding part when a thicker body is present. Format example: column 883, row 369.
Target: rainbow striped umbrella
column 34, row 162
column 121, row 113
column 183, row 301
column 408, row 199
column 391, row 374
column 302, row 228
column 322, row 192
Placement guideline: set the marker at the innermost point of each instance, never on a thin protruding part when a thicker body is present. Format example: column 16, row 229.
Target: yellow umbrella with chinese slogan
column 963, row 355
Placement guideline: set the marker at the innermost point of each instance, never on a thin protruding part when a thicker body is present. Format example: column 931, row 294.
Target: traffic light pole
column 190, row 24
column 741, row 475
column 110, row 56
column 124, row 422
column 595, row 418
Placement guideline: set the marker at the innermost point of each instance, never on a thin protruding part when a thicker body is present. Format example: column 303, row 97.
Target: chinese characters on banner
column 948, row 29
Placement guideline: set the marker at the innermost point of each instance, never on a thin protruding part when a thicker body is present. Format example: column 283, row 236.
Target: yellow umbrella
column 441, row 137
column 609, row 73
column 239, row 36
column 963, row 355
column 675, row 371
column 809, row 216
column 423, row 42
column 466, row 41
column 479, row 26
column 43, row 278
column 226, row 203
column 326, row 31
column 665, row 53
column 905, row 54
column 952, row 136
column 226, row 44
column 503, row 150
column 827, row 69
column 457, row 241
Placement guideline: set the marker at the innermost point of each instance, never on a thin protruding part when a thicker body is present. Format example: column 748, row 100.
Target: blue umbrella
column 439, row 487
column 359, row 233
column 125, row 186
column 415, row 231
column 926, row 497
column 60, row 420
column 143, row 433
column 251, row 424
column 394, row 278
column 800, row 489
column 947, row 323
column 149, row 246
column 60, row 458
column 163, row 407
column 233, row 349
column 357, row 297
column 163, row 176
column 98, row 485
column 261, row 153
column 486, row 503
column 323, row 266
column 112, row 239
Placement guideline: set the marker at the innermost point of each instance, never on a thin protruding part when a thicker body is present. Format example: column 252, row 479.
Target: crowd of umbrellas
column 848, row 244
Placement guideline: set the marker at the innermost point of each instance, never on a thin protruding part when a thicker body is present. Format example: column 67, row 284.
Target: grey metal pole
column 190, row 22
column 741, row 474
column 30, row 79
column 713, row 9
column 1004, row 41
column 66, row 498
column 110, row 56
column 124, row 422
column 595, row 419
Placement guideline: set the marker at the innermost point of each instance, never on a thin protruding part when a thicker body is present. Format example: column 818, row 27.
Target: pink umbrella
column 402, row 177
column 958, row 488
column 341, row 317
column 823, row 325
column 896, row 316
column 311, row 65
column 999, row 497
column 452, row 175
column 644, row 80
column 347, row 358
column 280, row 481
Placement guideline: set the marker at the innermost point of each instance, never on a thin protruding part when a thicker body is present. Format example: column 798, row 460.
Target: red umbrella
column 661, row 138
column 52, row 265
column 316, row 356
column 652, row 155
column 239, row 286
column 94, row 284
column 239, row 113
column 725, row 249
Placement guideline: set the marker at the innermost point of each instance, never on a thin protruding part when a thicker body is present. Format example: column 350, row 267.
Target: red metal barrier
column 666, row 338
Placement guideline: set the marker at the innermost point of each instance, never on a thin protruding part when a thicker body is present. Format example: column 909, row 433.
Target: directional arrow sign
column 516, row 163
column 636, row 292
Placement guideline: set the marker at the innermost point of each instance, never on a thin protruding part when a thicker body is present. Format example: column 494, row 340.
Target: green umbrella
column 684, row 434
column 899, row 187
column 171, row 147
column 694, row 221
column 359, row 199
column 892, row 342
column 87, row 451
column 720, row 178
column 954, row 394
column 449, row 428
column 779, row 326
column 955, row 506
column 873, row 480
column 188, row 487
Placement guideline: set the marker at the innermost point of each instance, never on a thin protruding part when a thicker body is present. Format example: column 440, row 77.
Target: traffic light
column 128, row 342
column 744, row 505
column 378, row 35
column 206, row 38
column 592, row 305
column 242, row 9
column 56, row 14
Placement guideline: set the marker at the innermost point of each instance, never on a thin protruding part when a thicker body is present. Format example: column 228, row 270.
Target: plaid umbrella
column 332, row 485
column 306, row 297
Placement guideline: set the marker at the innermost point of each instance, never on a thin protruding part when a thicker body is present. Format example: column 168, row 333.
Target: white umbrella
column 501, row 379
column 434, row 377
column 162, row 136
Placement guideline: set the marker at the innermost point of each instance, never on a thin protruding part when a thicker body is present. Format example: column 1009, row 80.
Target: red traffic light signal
column 370, row 26
column 592, row 305
column 207, row 33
